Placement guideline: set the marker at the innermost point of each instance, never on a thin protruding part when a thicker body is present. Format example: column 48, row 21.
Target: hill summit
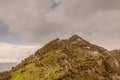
column 68, row 59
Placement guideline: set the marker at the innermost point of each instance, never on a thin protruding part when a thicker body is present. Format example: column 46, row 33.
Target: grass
column 63, row 60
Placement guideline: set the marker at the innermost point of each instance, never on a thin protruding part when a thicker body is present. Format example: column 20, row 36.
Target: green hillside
column 68, row 59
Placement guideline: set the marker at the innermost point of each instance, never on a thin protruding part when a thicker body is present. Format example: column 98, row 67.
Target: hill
column 68, row 59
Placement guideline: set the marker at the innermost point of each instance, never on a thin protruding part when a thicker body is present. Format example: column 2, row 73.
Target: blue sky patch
column 55, row 4
column 5, row 36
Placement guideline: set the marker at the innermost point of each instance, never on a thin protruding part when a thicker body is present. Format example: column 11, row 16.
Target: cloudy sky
column 29, row 24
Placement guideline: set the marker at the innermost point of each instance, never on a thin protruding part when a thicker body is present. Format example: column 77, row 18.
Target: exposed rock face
column 69, row 59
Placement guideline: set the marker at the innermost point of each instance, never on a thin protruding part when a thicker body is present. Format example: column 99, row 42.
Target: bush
column 5, row 75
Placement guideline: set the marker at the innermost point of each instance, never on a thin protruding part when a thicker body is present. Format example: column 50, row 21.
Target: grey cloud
column 34, row 21
column 85, row 8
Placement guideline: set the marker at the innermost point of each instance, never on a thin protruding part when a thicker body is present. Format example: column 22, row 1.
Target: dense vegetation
column 69, row 59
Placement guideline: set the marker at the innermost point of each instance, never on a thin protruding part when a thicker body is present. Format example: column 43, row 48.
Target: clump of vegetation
column 5, row 75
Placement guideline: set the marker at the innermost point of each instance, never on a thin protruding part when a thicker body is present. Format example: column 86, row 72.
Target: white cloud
column 15, row 53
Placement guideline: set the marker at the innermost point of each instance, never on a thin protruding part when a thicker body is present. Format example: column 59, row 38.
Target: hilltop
column 68, row 59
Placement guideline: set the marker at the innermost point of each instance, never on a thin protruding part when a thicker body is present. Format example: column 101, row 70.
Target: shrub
column 5, row 75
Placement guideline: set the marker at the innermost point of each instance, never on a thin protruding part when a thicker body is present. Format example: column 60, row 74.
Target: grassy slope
column 64, row 60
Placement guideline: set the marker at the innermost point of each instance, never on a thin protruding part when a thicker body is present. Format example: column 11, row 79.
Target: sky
column 32, row 23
